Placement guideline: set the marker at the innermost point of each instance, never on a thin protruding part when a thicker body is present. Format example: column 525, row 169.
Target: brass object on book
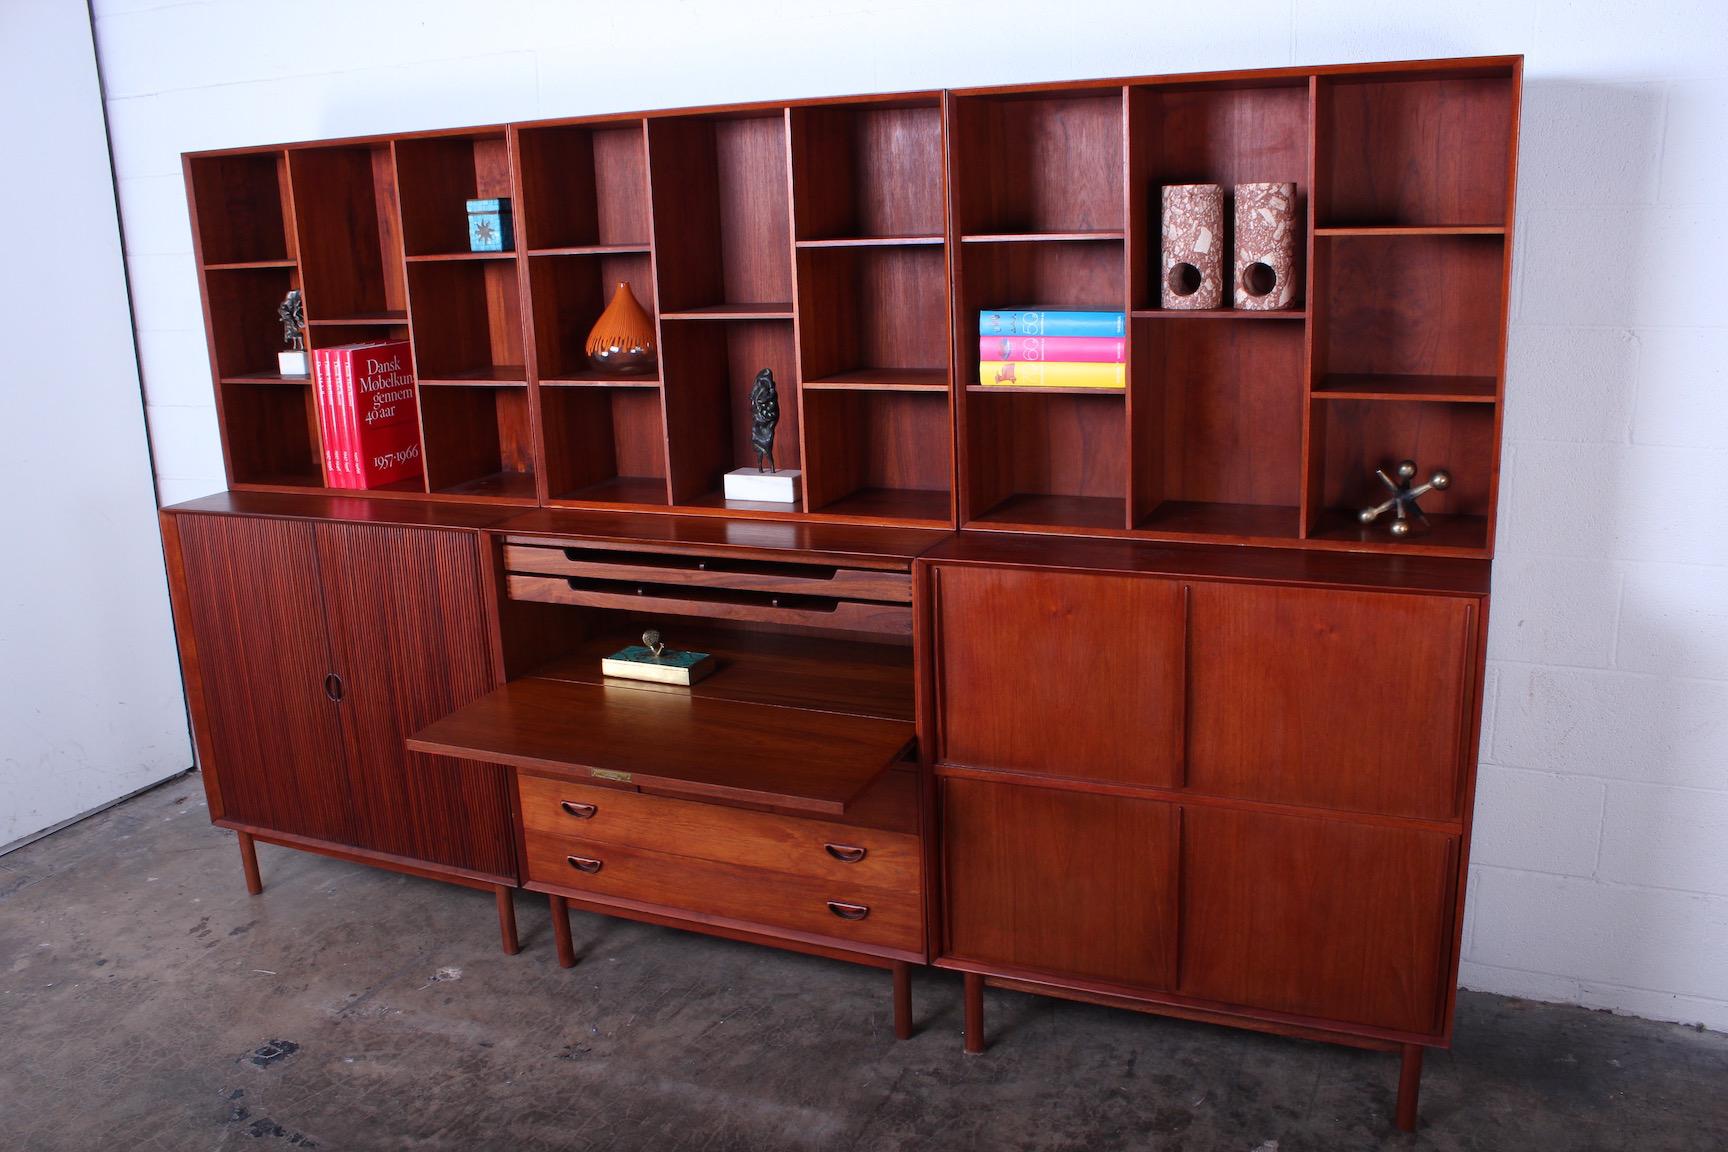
column 654, row 662
column 1407, row 514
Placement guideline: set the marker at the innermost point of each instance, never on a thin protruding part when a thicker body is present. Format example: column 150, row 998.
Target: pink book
column 1061, row 349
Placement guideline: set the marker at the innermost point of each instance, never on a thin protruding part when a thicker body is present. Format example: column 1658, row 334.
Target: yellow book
column 1051, row 374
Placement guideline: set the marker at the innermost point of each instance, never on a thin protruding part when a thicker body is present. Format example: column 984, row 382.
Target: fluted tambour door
column 1063, row 673
column 258, row 621
column 408, row 630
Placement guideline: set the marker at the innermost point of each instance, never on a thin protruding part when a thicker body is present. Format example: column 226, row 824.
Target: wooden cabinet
column 1224, row 787
column 1322, row 696
column 409, row 640
column 1015, row 644
column 271, row 740
column 313, row 650
column 1320, row 918
column 1061, row 882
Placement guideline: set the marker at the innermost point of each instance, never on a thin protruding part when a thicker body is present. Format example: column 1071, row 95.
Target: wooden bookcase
column 849, row 245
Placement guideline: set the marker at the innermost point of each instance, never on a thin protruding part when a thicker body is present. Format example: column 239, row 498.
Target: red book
column 1057, row 349
column 384, row 412
column 326, row 430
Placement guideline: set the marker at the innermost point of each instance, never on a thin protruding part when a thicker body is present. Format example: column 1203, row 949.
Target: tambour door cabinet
column 1225, row 785
column 316, row 635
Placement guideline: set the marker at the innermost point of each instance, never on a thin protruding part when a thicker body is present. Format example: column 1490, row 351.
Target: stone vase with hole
column 1193, row 237
column 1265, row 247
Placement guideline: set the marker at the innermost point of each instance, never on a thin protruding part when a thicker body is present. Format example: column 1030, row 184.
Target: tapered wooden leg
column 561, row 932
column 507, row 919
column 902, row 1001
column 249, row 861
column 1409, row 1087
column 974, row 1013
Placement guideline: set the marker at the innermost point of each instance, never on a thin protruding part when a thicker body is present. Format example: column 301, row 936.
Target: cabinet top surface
column 860, row 545
column 358, row 509
column 1263, row 565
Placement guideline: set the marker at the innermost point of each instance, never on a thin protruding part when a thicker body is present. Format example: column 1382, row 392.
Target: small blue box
column 489, row 226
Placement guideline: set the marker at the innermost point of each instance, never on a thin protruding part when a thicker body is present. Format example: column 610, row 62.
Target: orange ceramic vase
column 622, row 340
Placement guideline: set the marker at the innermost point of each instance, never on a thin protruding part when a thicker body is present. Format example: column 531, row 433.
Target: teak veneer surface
column 399, row 513
column 693, row 745
column 823, row 675
column 1446, row 575
column 857, row 545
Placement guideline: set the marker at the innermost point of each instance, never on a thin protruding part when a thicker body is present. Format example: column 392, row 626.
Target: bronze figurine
column 764, row 414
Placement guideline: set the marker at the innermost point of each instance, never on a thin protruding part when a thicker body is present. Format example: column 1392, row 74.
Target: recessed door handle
column 578, row 809
column 585, row 864
column 333, row 687
column 845, row 853
column 848, row 911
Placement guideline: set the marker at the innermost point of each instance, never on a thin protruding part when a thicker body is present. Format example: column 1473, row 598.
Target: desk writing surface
column 698, row 746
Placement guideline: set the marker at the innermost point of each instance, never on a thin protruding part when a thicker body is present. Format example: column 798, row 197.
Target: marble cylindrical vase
column 1193, row 258
column 1265, row 246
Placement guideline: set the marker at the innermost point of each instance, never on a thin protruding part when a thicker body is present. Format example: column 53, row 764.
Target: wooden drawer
column 851, row 913
column 716, row 603
column 587, row 562
column 815, row 849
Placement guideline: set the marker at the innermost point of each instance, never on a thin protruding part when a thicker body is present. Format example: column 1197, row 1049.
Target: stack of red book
column 369, row 411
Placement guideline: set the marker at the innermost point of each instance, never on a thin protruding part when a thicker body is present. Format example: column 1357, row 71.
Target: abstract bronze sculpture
column 764, row 414
column 1407, row 513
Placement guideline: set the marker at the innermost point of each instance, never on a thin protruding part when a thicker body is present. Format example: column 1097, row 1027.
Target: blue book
column 1050, row 322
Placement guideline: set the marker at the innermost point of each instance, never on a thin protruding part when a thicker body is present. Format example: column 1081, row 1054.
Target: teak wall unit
column 1189, row 738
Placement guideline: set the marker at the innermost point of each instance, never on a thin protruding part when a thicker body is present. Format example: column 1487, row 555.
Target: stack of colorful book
column 1052, row 348
column 369, row 410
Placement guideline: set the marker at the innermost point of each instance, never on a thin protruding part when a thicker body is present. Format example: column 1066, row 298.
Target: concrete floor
column 146, row 1002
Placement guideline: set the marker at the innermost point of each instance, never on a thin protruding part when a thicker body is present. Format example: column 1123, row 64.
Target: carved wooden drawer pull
column 585, row 864
column 578, row 809
column 845, row 853
column 848, row 911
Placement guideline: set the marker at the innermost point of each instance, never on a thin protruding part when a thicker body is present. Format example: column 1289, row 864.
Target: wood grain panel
column 891, row 919
column 696, row 746
column 793, row 845
column 1314, row 696
column 274, row 736
column 1075, row 675
column 1320, row 918
column 1441, row 150
column 1060, row 882
column 407, row 626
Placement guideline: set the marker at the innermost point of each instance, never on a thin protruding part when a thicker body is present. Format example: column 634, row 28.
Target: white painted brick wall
column 1600, row 869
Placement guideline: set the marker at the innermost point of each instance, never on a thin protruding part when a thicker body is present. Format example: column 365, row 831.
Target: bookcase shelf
column 873, row 453
column 477, row 442
column 1215, row 314
column 569, row 293
column 709, row 370
column 849, row 245
column 584, row 188
column 868, row 173
column 436, row 176
column 721, row 218
column 885, row 379
column 1206, row 133
column 605, row 444
column 1038, row 163
column 467, row 321
column 1217, row 421
column 240, row 208
column 1441, row 152
column 873, row 314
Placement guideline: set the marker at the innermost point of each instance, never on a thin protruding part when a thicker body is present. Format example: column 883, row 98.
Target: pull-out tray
column 673, row 743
